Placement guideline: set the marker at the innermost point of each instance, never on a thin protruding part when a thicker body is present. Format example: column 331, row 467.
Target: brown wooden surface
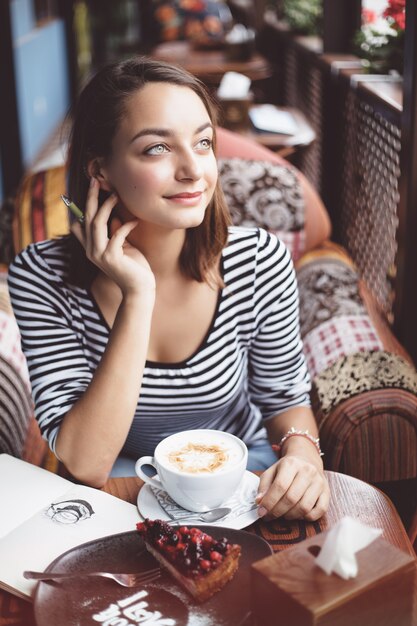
column 349, row 496
column 210, row 65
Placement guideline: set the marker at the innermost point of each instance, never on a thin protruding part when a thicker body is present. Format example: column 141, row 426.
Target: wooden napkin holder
column 235, row 112
column 289, row 588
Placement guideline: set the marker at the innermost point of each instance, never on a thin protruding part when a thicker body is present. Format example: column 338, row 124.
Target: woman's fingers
column 93, row 235
column 320, row 507
column 92, row 208
column 96, row 221
column 98, row 227
column 274, row 484
column 306, row 503
column 266, row 480
column 119, row 237
column 292, row 496
column 293, row 489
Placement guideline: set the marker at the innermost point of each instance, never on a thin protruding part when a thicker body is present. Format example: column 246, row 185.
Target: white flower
column 377, row 33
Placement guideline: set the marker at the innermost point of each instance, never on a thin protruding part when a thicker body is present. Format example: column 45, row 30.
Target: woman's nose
column 189, row 166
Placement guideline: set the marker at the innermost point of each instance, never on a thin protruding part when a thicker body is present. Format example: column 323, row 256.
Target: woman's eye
column 160, row 148
column 204, row 144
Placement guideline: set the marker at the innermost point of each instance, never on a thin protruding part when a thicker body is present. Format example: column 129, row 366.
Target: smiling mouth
column 185, row 196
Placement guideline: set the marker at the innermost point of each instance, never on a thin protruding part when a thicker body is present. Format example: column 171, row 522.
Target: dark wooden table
column 210, row 65
column 349, row 496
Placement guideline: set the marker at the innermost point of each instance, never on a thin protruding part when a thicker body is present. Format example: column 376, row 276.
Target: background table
column 283, row 144
column 210, row 65
column 349, row 496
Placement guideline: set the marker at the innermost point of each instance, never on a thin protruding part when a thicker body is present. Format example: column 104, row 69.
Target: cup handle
column 147, row 460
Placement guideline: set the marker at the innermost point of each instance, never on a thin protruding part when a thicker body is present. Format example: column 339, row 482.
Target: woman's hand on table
column 295, row 487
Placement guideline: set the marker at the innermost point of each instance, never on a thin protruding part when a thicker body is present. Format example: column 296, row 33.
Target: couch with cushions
column 364, row 391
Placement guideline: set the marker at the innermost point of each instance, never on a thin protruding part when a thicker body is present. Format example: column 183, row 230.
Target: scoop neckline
column 176, row 364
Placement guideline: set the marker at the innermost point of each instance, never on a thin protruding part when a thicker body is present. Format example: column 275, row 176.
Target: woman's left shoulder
column 262, row 242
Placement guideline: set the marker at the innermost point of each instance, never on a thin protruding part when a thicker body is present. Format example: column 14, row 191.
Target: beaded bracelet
column 293, row 432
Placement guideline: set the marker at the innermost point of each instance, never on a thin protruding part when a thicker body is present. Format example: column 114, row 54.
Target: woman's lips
column 185, row 198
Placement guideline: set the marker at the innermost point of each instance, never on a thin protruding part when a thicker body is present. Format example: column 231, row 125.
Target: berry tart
column 201, row 564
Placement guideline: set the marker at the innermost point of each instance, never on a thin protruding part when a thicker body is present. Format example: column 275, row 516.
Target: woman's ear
column 95, row 169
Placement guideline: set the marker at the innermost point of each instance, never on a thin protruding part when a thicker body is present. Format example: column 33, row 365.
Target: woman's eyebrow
column 164, row 132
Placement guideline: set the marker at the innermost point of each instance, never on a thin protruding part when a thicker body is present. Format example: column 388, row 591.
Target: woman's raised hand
column 115, row 256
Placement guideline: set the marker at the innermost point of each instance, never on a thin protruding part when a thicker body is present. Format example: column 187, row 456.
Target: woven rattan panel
column 369, row 195
column 303, row 89
column 291, row 95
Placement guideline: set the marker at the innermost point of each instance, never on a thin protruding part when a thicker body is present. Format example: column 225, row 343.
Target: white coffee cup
column 199, row 469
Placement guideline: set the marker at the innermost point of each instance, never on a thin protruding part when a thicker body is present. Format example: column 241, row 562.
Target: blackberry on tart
column 201, row 564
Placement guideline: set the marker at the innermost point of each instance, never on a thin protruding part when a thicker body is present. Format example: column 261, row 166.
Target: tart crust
column 200, row 584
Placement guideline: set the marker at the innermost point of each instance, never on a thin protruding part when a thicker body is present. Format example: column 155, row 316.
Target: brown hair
column 95, row 119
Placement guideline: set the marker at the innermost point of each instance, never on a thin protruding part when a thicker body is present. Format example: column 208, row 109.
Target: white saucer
column 148, row 505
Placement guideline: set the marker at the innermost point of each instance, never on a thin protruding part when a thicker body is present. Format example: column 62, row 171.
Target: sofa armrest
column 364, row 383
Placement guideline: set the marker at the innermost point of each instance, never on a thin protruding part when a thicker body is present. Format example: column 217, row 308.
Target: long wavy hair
column 95, row 118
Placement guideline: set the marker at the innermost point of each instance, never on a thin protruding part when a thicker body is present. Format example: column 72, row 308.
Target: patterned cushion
column 336, row 337
column 328, row 288
column 265, row 194
column 360, row 372
column 333, row 318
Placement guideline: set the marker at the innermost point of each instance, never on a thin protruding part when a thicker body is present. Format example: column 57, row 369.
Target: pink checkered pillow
column 334, row 321
column 339, row 337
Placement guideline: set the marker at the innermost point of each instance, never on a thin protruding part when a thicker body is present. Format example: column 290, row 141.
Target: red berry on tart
column 201, row 564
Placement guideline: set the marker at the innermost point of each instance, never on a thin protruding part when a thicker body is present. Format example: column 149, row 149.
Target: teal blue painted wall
column 22, row 16
column 41, row 77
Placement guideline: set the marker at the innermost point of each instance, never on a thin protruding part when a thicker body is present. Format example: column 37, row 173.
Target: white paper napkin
column 270, row 119
column 234, row 85
column 343, row 540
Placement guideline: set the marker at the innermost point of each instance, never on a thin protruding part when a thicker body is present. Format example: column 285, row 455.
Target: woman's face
column 162, row 166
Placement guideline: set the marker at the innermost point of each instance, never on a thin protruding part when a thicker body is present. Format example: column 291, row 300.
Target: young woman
column 155, row 315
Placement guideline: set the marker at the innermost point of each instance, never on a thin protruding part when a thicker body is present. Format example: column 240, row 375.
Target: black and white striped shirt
column 249, row 367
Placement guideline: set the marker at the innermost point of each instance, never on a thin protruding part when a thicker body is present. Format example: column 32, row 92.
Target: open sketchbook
column 44, row 515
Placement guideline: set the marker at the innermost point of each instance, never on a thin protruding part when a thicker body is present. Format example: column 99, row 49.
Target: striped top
column 249, row 367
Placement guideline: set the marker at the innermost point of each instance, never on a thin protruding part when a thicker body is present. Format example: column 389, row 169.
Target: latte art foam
column 201, row 455
column 195, row 458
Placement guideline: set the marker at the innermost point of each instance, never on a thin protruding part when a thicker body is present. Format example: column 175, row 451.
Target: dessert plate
column 89, row 601
column 155, row 504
